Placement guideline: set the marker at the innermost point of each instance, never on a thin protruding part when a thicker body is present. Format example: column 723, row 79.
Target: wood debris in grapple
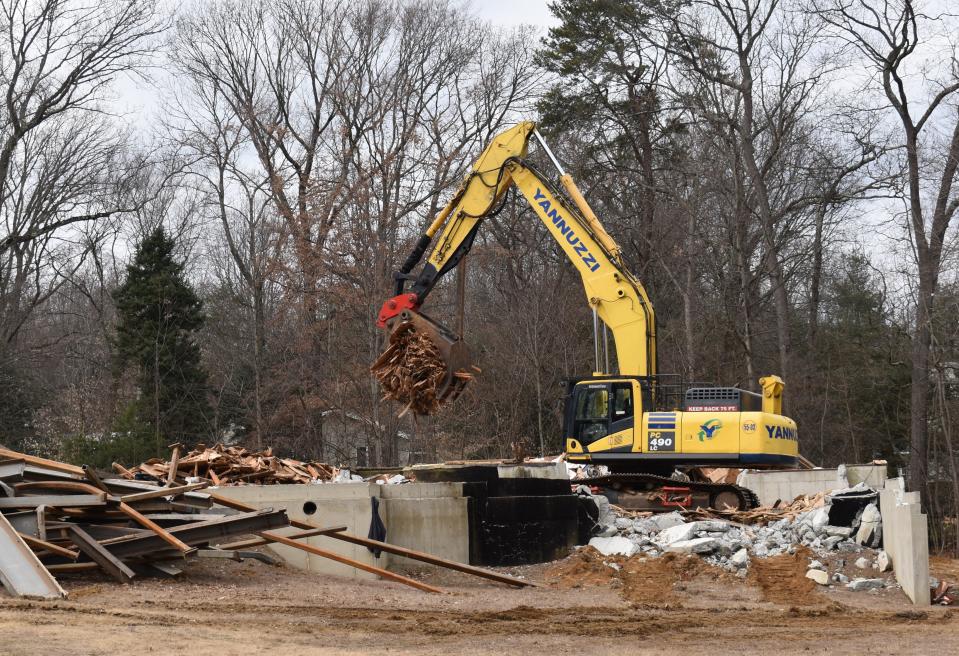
column 412, row 372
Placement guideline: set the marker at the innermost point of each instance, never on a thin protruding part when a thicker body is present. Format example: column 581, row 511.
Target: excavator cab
column 600, row 413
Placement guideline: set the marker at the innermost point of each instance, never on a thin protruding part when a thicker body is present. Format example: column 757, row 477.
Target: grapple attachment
column 425, row 364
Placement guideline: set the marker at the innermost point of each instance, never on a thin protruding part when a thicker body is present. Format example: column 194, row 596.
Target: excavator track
column 663, row 494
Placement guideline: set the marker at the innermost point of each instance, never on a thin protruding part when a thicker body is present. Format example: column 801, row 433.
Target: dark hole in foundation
column 309, row 508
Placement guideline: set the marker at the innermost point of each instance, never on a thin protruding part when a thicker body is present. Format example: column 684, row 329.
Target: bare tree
column 889, row 39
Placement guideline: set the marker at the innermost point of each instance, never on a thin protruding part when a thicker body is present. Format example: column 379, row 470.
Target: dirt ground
column 583, row 606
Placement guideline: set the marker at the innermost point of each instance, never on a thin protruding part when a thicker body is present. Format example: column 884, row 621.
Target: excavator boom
column 618, row 299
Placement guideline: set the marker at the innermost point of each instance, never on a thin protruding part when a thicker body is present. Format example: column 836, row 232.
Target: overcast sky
column 514, row 12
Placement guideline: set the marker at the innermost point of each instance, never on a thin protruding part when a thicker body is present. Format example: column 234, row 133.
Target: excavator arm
column 617, row 298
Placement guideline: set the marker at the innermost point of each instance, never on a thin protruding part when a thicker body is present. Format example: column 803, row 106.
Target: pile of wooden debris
column 413, row 372
column 763, row 515
column 229, row 465
column 57, row 518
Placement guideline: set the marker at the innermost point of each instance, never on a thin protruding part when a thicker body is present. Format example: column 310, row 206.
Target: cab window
column 622, row 401
column 592, row 414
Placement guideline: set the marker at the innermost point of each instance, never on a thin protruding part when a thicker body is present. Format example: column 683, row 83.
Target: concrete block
column 740, row 558
column 819, row 576
column 550, row 470
column 614, row 546
column 858, row 585
column 694, row 546
column 906, row 539
column 883, row 564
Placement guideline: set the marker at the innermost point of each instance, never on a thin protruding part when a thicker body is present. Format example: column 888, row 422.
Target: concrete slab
column 905, row 533
column 772, row 485
column 430, row 517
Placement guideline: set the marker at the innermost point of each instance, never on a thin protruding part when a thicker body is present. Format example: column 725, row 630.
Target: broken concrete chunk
column 869, row 523
column 685, row 532
column 819, row 576
column 842, row 531
column 831, row 542
column 694, row 546
column 740, row 558
column 667, row 520
column 883, row 562
column 815, row 564
column 613, row 546
column 623, row 524
column 863, row 563
column 820, row 517
column 839, row 577
column 858, row 585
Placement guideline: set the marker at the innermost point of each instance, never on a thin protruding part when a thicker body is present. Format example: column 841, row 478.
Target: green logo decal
column 708, row 430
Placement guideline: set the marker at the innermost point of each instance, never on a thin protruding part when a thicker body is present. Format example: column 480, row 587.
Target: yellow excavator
column 650, row 433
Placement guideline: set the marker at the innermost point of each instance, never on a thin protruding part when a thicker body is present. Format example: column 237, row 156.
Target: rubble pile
column 230, row 465
column 732, row 540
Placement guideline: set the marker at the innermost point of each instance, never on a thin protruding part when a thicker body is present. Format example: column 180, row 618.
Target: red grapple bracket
column 395, row 305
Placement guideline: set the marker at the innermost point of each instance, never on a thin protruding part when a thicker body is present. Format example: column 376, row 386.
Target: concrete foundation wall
column 429, row 517
column 784, row 486
column 905, row 537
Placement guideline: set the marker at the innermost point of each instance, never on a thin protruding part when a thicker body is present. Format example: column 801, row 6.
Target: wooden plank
column 146, row 522
column 316, row 551
column 389, row 548
column 256, row 542
column 174, row 464
column 21, row 572
column 59, row 486
column 42, row 462
column 228, row 527
column 66, row 568
column 163, row 492
column 123, row 471
column 94, row 478
column 99, row 554
column 57, row 501
column 433, row 560
column 49, row 546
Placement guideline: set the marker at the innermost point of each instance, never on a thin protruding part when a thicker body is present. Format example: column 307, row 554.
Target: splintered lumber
column 146, row 522
column 100, row 555
column 123, row 471
column 22, row 573
column 763, row 515
column 413, row 372
column 230, row 465
column 174, row 464
column 390, row 548
column 379, row 571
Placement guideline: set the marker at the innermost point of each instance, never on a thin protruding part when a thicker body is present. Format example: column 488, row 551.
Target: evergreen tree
column 158, row 316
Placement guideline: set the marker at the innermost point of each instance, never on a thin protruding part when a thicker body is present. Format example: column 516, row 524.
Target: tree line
column 779, row 173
